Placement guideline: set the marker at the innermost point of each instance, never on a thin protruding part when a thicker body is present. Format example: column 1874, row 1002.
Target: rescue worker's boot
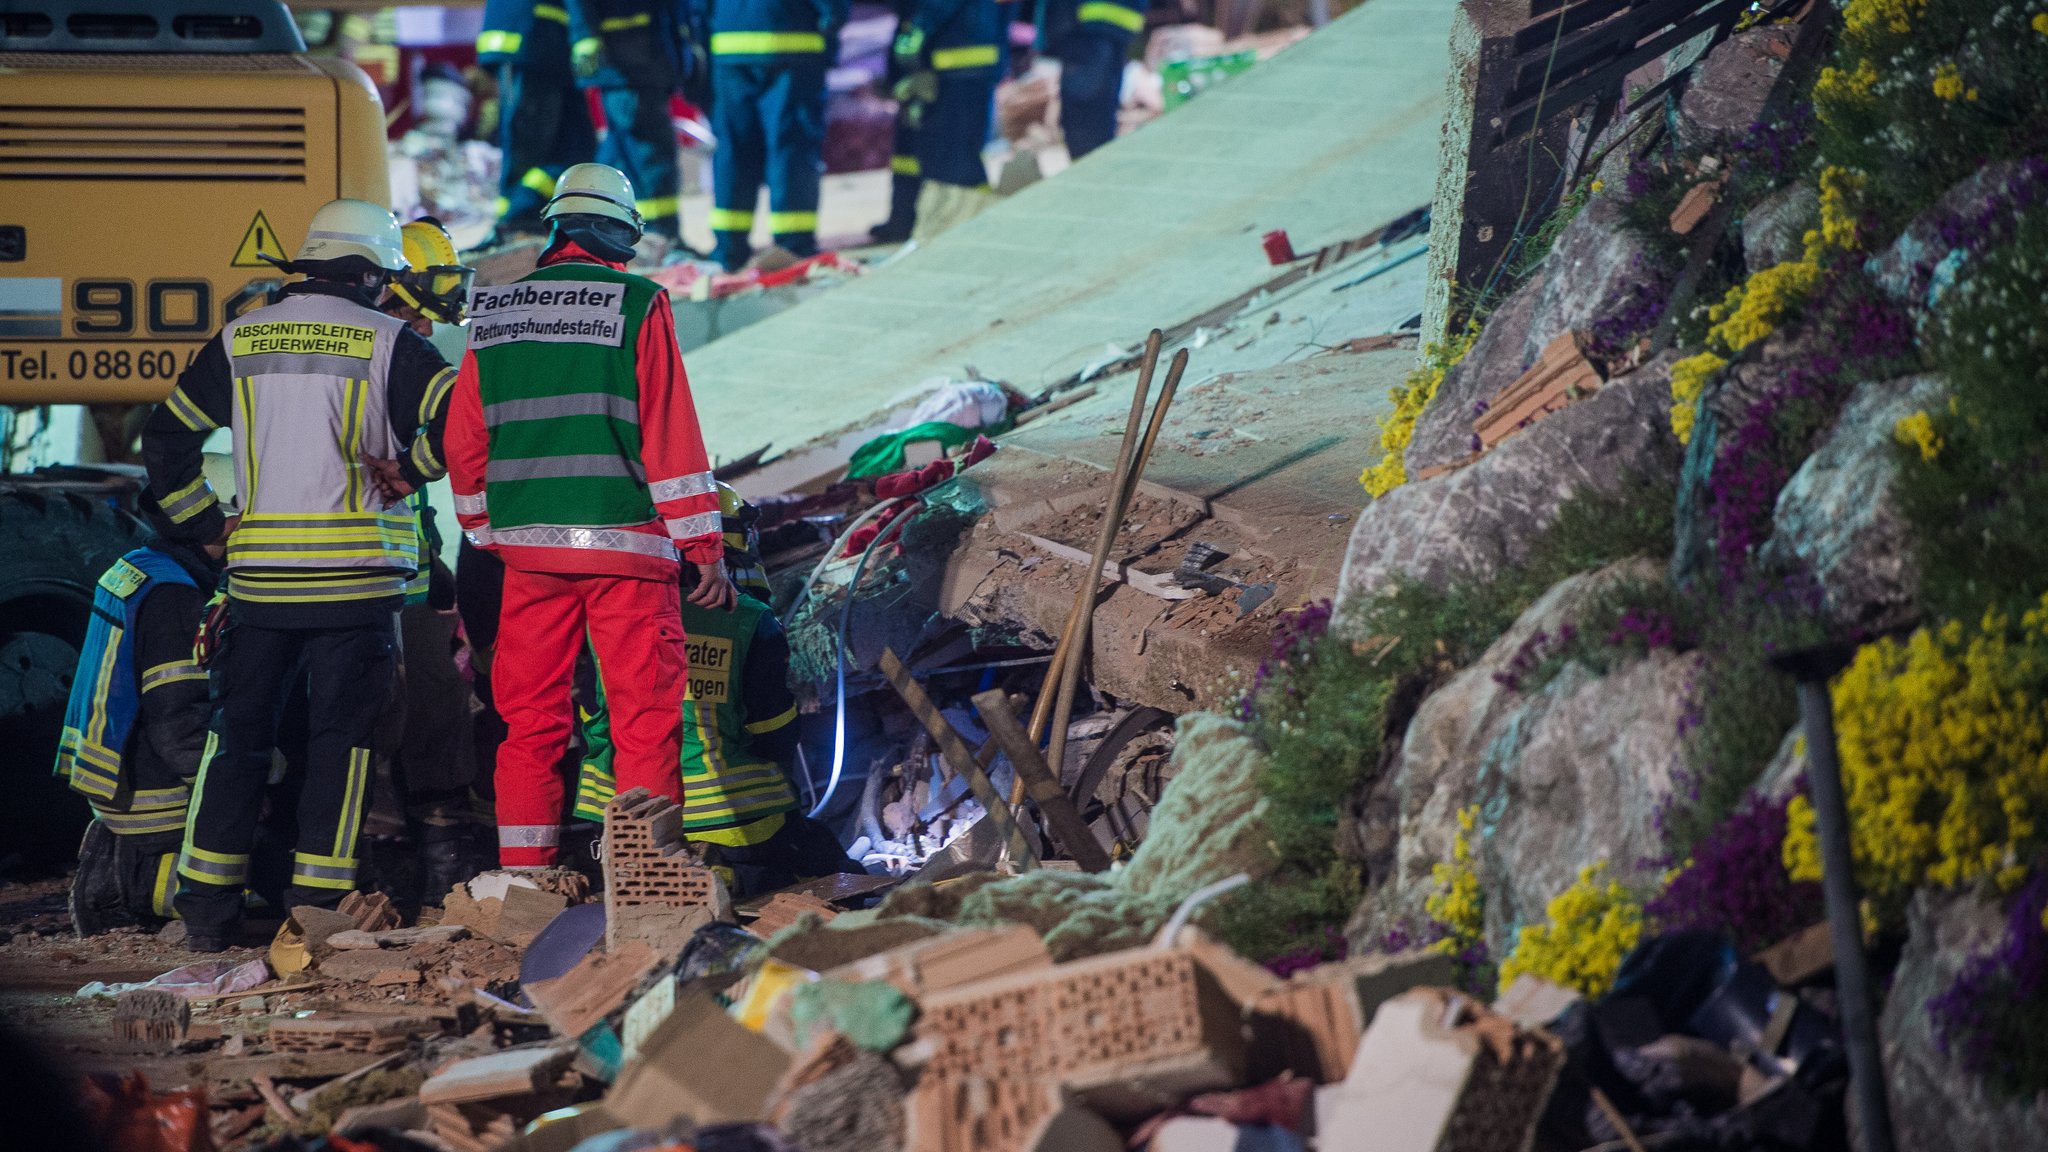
column 447, row 857
column 98, row 900
column 902, row 219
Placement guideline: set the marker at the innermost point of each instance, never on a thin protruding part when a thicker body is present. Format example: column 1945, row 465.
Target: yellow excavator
column 152, row 152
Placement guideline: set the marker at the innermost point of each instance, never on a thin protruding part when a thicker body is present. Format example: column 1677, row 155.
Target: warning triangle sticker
column 260, row 240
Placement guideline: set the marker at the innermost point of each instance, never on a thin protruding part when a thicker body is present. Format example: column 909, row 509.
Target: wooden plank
column 516, row 1072
column 960, row 756
column 1062, row 819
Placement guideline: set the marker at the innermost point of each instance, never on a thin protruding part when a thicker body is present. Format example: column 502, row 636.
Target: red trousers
column 636, row 628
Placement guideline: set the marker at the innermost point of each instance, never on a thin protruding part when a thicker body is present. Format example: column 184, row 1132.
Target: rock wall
column 1565, row 775
column 1470, row 522
column 1838, row 520
column 1935, row 1103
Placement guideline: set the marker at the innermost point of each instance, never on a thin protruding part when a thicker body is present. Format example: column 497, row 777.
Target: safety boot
column 98, row 900
column 447, row 857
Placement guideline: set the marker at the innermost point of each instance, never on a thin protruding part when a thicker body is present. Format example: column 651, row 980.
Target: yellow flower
column 1948, row 80
column 1592, row 927
column 1457, row 905
column 1753, row 309
column 1864, row 18
column 2040, row 23
column 1410, row 399
column 1599, row 186
column 1688, row 380
column 1943, row 742
column 1918, row 430
column 1840, row 191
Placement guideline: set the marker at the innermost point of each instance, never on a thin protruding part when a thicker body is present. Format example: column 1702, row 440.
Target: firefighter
column 949, row 53
column 135, row 727
column 336, row 412
column 637, row 53
column 739, row 741
column 543, row 124
column 905, row 171
column 1092, row 40
column 575, row 455
column 768, row 64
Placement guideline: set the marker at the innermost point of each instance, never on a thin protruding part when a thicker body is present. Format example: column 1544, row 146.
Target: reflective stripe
column 730, row 782
column 677, row 488
column 500, row 206
column 783, row 223
column 188, row 501
column 275, row 589
column 556, row 407
column 213, row 867
column 587, row 45
column 906, row 166
column 732, row 220
column 688, row 527
column 363, row 238
column 658, row 206
column 773, row 722
column 495, row 42
column 765, row 43
column 538, row 180
column 555, row 12
column 301, row 364
column 173, row 673
column 166, row 886
column 1102, row 12
column 354, row 798
column 187, row 412
column 598, row 539
column 971, row 56
column 529, row 835
column 423, row 458
column 309, row 871
column 558, row 467
column 470, row 505
column 436, row 394
column 143, row 823
column 621, row 23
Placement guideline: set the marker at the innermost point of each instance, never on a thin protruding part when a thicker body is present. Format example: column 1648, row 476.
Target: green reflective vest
column 561, row 398
column 724, row 784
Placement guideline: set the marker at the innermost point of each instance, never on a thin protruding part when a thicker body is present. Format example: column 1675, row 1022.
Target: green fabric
column 884, row 454
column 533, row 370
column 874, row 1014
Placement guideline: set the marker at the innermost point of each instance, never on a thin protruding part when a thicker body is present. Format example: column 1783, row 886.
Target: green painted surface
column 1328, row 140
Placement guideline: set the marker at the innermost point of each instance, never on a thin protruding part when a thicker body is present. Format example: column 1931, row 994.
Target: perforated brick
column 315, row 1035
column 1130, row 1032
column 970, row 1113
column 646, row 860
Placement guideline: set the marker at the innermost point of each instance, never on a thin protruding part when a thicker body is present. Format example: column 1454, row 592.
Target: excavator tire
column 54, row 545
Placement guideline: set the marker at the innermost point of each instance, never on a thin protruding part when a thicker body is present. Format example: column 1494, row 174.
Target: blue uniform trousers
column 1091, row 76
column 956, row 125
column 546, row 128
column 770, row 122
column 640, row 140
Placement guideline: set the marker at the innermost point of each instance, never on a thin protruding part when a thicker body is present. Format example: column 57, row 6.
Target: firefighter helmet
column 436, row 283
column 594, row 190
column 354, row 228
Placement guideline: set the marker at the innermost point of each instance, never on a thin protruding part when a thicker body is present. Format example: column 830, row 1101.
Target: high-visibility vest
column 106, row 692
column 724, row 784
column 309, row 402
column 560, row 387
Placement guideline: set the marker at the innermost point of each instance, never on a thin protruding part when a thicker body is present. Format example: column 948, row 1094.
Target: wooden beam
column 1062, row 819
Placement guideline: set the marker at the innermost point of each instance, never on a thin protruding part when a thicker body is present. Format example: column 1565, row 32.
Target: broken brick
column 646, row 860
column 152, row 1018
column 1560, row 375
column 372, row 911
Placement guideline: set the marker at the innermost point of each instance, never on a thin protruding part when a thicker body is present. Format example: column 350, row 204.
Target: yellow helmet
column 594, row 190
column 354, row 228
column 437, row 282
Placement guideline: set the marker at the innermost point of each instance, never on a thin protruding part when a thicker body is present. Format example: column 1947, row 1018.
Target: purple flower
column 1736, row 882
column 1978, row 1017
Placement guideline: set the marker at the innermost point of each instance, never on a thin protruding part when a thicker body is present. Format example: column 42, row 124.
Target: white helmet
column 354, row 228
column 594, row 190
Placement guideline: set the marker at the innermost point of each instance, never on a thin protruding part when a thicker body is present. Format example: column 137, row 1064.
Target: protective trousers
column 640, row 140
column 955, row 126
column 770, row 124
column 347, row 674
column 546, row 128
column 1091, row 80
column 906, row 177
column 635, row 627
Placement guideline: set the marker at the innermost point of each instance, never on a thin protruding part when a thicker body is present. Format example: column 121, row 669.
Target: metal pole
column 1845, row 924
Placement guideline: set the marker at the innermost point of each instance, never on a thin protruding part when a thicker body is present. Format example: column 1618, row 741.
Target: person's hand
column 714, row 588
column 385, row 477
column 586, row 56
column 907, row 52
column 219, row 548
